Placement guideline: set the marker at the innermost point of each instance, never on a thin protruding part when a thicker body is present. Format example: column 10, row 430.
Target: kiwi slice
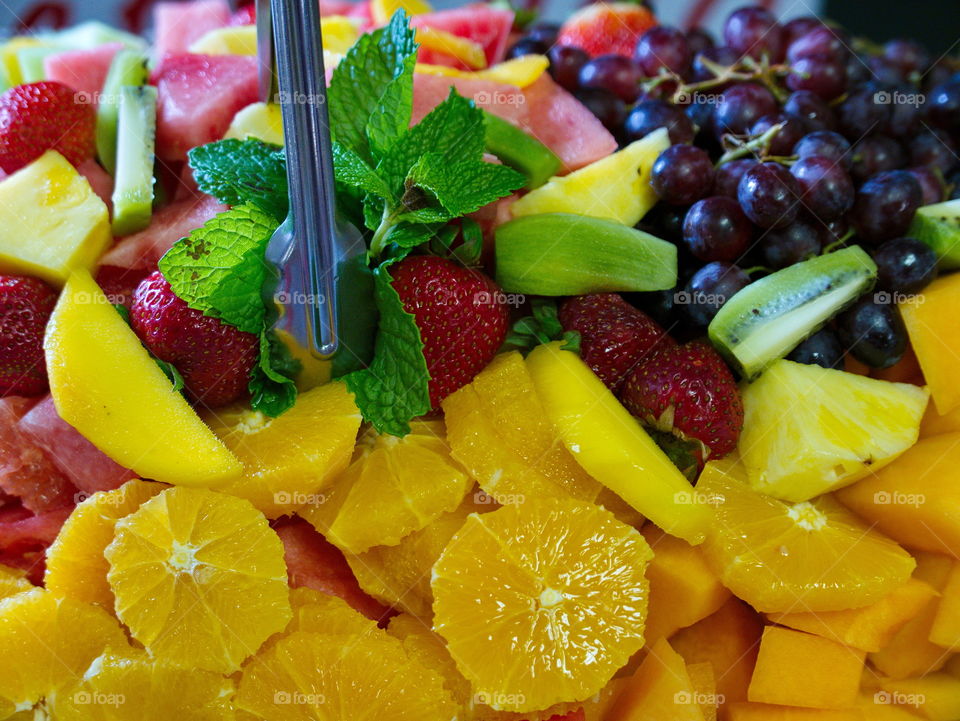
column 30, row 61
column 520, row 151
column 129, row 67
column 136, row 135
column 938, row 226
column 768, row 318
column 565, row 254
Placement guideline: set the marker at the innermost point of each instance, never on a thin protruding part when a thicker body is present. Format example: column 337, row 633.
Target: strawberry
column 38, row 117
column 688, row 390
column 604, row 28
column 461, row 314
column 614, row 336
column 215, row 359
column 25, row 307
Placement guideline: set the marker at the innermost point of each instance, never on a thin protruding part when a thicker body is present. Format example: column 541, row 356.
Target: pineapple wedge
column 809, row 430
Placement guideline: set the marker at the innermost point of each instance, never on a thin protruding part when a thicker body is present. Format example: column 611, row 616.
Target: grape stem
column 744, row 70
column 742, row 148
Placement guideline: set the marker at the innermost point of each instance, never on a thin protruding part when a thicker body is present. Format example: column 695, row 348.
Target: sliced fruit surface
column 809, row 430
column 935, row 339
column 12, row 581
column 287, row 460
column 938, row 226
column 107, row 386
column 611, row 445
column 260, row 121
column 808, row 556
column 541, row 603
column 322, row 613
column 660, row 688
column 394, row 487
column 199, row 578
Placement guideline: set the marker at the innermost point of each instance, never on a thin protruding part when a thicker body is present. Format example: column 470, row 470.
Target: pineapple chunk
column 616, row 187
column 240, row 40
column 809, row 430
column 51, row 221
column 260, row 121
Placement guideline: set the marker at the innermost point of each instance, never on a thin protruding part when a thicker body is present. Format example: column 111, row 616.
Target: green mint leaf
column 464, row 186
column 543, row 326
column 219, row 269
column 123, row 311
column 410, row 235
column 394, row 389
column 171, row 372
column 360, row 83
column 470, row 250
column 242, row 171
column 272, row 390
column 396, row 106
column 352, row 170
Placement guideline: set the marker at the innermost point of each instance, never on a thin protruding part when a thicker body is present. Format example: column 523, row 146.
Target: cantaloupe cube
column 933, row 424
column 906, row 370
column 931, row 322
column 915, row 499
column 728, row 640
column 910, row 652
column 767, row 712
column 935, row 696
column 683, row 589
column 705, row 687
column 660, row 690
column 945, row 630
column 876, row 705
column 868, row 628
column 799, row 669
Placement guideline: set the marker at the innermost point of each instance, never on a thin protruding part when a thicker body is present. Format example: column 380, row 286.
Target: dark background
column 935, row 23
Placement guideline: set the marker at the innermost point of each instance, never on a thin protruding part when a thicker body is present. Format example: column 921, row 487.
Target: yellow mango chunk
column 519, row 72
column 915, row 499
column 616, row 187
column 935, row 337
column 239, row 40
column 383, row 10
column 935, row 696
column 660, row 690
column 868, row 628
column 934, row 424
column 339, row 33
column 106, row 385
column 466, row 51
column 800, row 669
column 51, row 221
column 767, row 712
column 683, row 589
column 261, row 121
column 10, row 58
column 945, row 630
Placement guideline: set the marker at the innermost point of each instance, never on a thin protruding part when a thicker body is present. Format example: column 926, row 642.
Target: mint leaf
column 219, row 269
column 272, row 390
column 464, row 186
column 171, row 372
column 359, row 86
column 242, row 171
column 410, row 235
column 352, row 170
column 396, row 106
column 394, row 389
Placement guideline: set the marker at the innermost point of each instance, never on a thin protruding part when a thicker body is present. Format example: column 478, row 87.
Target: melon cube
column 933, row 423
column 935, row 697
column 83, row 70
column 683, row 589
column 660, row 690
column 767, row 712
column 800, row 669
column 705, row 688
column 935, row 337
column 177, row 25
column 945, row 630
column 51, row 221
column 868, row 628
column 876, row 705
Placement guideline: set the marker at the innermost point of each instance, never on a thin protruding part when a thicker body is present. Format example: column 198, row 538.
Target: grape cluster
column 789, row 140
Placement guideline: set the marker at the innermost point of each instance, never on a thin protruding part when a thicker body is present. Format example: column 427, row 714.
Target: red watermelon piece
column 177, row 25
column 142, row 250
column 85, row 465
column 314, row 562
column 37, row 530
column 488, row 27
column 507, row 101
column 247, row 15
column 337, row 7
column 26, row 471
column 198, row 95
column 99, row 180
column 83, row 70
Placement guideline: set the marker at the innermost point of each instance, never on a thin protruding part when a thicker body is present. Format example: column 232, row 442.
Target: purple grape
column 931, row 184
column 613, row 73
column 827, row 189
column 820, row 74
column 722, row 55
column 823, row 349
column 699, row 40
column 938, row 74
column 527, row 46
column 716, row 229
column 861, row 114
column 782, row 143
column 727, row 177
column 682, row 174
column 905, row 265
column 876, row 154
column 858, row 70
column 708, row 289
column 607, row 107
column 885, row 205
column 905, row 113
column 907, row 55
column 782, row 247
column 566, row 61
column 934, row 148
column 873, row 332
column 769, row 195
column 812, row 109
column 667, row 221
column 700, row 114
column 651, row 115
column 884, row 71
column 819, row 42
column 663, row 47
column 754, row 31
column 943, row 105
column 740, row 107
column 825, row 144
column 953, row 186
column 834, row 231
column 798, row 27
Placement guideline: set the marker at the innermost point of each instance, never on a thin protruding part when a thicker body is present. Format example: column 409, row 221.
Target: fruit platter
column 643, row 408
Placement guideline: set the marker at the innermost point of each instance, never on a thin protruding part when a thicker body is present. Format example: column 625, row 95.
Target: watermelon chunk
column 337, row 7
column 486, row 26
column 142, row 250
column 247, row 15
column 99, row 179
column 85, row 465
column 314, row 562
column 26, row 471
column 34, row 531
column 507, row 101
column 198, row 95
column 177, row 25
column 118, row 284
column 82, row 70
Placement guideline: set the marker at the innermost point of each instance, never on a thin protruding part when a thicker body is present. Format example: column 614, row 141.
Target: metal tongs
column 311, row 244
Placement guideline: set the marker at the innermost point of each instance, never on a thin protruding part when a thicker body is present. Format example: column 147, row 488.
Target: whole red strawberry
column 215, row 359
column 614, row 336
column 461, row 314
column 25, row 307
column 688, row 390
column 603, row 28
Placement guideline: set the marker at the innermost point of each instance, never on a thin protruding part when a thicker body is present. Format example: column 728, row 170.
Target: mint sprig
column 243, row 171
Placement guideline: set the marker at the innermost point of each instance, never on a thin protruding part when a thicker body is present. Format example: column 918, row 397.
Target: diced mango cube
column 767, row 712
column 800, row 669
column 683, row 589
column 935, row 338
column 51, row 221
column 660, row 690
column 868, row 628
column 935, row 696
column 705, row 688
column 945, row 630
